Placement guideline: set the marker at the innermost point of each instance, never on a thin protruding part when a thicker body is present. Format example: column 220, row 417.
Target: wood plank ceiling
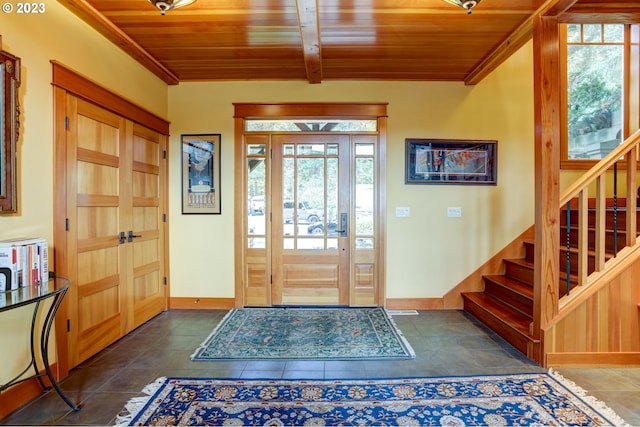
column 318, row 40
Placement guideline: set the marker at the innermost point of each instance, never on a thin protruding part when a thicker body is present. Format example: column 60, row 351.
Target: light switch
column 403, row 212
column 454, row 212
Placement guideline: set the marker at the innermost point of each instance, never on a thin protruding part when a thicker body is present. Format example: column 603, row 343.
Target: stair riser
column 609, row 239
column 509, row 334
column 573, row 259
column 518, row 272
column 529, row 250
column 508, row 296
column 609, row 219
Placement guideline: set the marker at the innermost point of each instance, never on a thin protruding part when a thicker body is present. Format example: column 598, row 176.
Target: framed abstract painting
column 451, row 161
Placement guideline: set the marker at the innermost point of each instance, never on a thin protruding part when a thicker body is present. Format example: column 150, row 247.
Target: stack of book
column 23, row 262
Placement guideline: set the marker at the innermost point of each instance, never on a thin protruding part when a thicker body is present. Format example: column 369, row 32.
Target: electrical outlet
column 454, row 212
column 403, row 212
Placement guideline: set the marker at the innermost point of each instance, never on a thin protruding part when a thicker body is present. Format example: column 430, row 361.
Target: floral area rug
column 305, row 333
column 516, row 400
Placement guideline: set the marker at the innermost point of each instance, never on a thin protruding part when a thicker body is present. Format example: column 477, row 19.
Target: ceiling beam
column 515, row 41
column 97, row 21
column 309, row 22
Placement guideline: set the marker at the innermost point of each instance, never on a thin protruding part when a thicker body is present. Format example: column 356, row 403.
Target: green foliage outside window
column 595, row 58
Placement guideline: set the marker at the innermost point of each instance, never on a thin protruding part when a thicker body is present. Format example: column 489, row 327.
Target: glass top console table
column 37, row 295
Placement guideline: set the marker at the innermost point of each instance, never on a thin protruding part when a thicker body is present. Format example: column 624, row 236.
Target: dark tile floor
column 445, row 342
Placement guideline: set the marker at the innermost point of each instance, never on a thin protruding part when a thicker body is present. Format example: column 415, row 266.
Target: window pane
column 592, row 33
column 614, row 33
column 364, row 243
column 364, row 149
column 310, row 149
column 305, row 125
column 594, row 99
column 256, row 149
column 364, row 196
column 574, row 33
column 257, row 243
column 256, row 191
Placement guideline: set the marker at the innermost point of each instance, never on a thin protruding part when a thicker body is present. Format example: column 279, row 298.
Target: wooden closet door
column 115, row 239
column 98, row 208
column 147, row 241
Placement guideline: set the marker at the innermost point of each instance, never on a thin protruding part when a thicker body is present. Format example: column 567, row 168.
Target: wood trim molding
column 566, row 360
column 82, row 87
column 303, row 109
column 21, row 393
column 515, row 41
column 83, row 10
column 196, row 303
column 414, row 304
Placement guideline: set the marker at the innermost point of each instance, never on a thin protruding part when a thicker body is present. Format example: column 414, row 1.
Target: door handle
column 122, row 239
column 344, row 224
column 131, row 236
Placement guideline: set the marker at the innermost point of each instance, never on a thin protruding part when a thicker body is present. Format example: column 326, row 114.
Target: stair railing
column 578, row 192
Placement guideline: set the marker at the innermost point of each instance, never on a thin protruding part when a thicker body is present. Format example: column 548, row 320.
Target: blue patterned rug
column 513, row 400
column 305, row 333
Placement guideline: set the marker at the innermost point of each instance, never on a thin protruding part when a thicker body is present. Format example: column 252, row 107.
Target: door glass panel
column 310, row 195
column 332, row 244
column 331, row 224
column 364, row 149
column 364, row 243
column 364, row 196
column 258, row 243
column 310, row 206
column 288, row 243
column 256, row 203
column 310, row 149
column 255, row 149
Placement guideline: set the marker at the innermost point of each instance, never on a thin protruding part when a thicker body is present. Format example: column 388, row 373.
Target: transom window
column 306, row 125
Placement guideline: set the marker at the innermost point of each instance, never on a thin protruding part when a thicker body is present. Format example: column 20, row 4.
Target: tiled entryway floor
column 446, row 343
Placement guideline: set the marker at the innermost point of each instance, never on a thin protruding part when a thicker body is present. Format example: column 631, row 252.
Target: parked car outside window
column 256, row 207
column 318, row 228
column 305, row 212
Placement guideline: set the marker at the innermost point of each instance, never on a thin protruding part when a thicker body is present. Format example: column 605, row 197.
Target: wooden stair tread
column 502, row 312
column 520, row 261
column 513, row 284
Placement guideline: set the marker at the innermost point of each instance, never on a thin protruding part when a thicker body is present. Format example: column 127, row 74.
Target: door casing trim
column 242, row 111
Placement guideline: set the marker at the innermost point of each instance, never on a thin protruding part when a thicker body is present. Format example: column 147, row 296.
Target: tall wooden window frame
column 630, row 92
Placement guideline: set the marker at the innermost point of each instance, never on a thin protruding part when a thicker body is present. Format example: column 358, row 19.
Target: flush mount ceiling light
column 465, row 4
column 165, row 5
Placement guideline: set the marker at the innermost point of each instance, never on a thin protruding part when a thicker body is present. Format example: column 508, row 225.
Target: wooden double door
column 111, row 200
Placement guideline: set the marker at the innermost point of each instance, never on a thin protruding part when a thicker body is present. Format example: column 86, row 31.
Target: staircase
column 506, row 304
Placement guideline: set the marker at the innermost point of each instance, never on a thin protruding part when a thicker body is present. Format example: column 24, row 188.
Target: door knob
column 344, row 224
column 131, row 236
